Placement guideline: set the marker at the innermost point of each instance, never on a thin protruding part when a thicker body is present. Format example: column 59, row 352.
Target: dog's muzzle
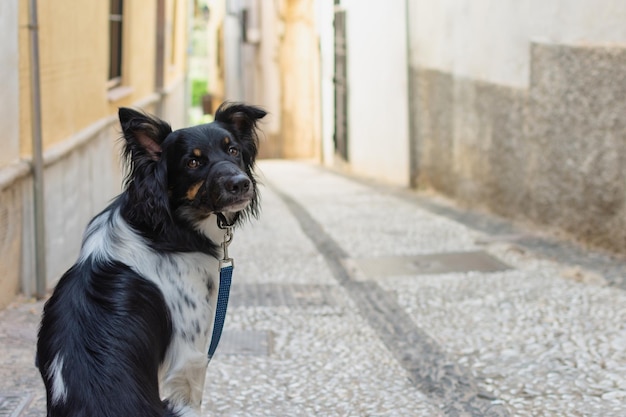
column 231, row 189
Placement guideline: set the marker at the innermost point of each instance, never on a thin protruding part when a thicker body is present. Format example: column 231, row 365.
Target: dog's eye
column 233, row 151
column 193, row 163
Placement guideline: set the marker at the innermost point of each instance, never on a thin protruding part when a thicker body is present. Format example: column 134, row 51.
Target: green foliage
column 198, row 89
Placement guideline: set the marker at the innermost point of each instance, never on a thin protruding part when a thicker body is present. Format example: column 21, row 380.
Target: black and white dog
column 130, row 323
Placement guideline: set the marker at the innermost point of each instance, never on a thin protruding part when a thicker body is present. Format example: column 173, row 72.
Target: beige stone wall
column 300, row 76
column 278, row 68
column 176, row 42
column 10, row 243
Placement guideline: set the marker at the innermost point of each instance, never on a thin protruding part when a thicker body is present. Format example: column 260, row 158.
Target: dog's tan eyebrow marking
column 227, row 140
column 192, row 192
column 197, row 152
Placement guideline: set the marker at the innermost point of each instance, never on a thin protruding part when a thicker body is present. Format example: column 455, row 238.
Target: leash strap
column 226, row 274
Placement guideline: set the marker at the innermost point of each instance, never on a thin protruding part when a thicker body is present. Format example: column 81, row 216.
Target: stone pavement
column 354, row 299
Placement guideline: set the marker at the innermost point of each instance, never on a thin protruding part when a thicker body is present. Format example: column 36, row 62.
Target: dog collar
column 222, row 221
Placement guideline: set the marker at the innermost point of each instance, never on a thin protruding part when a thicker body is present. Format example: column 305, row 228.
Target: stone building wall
column 533, row 132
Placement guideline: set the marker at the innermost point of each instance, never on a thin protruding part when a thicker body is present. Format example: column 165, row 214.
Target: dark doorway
column 341, row 85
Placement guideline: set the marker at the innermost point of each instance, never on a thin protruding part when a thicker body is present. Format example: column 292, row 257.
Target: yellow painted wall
column 299, row 65
column 73, row 44
column 176, row 41
column 74, row 47
column 75, row 100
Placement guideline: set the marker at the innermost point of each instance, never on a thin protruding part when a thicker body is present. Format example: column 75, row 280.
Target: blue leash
column 226, row 274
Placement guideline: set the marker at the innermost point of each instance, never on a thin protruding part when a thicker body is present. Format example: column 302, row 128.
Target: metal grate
column 246, row 343
column 438, row 263
column 276, row 295
column 12, row 405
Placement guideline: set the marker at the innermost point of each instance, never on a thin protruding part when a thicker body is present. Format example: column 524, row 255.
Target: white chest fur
column 189, row 284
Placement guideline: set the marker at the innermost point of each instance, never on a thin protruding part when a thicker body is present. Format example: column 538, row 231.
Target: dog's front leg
column 183, row 385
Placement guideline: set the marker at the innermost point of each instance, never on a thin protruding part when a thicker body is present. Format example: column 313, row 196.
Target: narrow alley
column 354, row 299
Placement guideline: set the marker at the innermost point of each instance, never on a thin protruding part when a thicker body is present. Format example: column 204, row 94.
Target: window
column 115, row 43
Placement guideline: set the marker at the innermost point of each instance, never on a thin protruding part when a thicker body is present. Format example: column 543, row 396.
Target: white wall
column 325, row 10
column 378, row 90
column 456, row 36
column 233, row 71
column 269, row 69
column 9, row 98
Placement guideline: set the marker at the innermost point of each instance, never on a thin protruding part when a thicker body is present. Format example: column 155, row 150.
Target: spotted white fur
column 189, row 283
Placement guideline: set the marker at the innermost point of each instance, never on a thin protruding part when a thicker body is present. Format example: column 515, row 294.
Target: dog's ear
column 144, row 134
column 146, row 179
column 240, row 116
column 241, row 120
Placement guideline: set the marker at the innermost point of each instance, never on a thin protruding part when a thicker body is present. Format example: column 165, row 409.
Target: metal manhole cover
column 245, row 342
column 438, row 263
column 12, row 405
column 289, row 295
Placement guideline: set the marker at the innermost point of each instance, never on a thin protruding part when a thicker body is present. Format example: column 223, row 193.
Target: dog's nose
column 238, row 184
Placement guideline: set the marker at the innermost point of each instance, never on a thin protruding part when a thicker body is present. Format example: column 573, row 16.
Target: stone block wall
column 80, row 178
column 553, row 153
column 11, row 226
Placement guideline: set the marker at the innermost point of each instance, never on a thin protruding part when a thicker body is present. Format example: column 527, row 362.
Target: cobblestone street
column 352, row 299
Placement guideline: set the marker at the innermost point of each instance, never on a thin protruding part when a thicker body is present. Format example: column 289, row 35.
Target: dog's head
column 188, row 174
